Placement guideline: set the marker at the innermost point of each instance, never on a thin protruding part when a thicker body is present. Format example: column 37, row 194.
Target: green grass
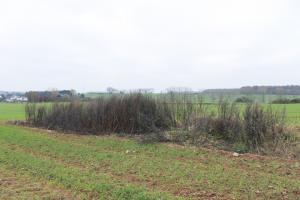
column 292, row 111
column 12, row 111
column 21, row 186
column 119, row 168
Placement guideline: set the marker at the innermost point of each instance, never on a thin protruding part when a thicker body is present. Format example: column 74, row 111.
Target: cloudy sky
column 92, row 44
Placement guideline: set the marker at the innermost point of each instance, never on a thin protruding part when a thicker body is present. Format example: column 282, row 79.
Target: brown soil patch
column 19, row 186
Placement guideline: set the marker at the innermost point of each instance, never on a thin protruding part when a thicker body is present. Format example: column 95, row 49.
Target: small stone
column 236, row 154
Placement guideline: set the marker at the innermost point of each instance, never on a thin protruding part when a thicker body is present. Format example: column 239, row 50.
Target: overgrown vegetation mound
column 250, row 127
column 255, row 127
column 130, row 114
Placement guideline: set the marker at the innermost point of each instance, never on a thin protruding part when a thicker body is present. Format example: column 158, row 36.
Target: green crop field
column 114, row 168
column 292, row 112
column 12, row 111
column 40, row 164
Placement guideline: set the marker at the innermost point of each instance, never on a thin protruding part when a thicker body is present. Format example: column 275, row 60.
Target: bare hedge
column 131, row 114
column 253, row 125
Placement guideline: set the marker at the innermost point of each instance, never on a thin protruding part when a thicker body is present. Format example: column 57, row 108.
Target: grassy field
column 108, row 167
column 12, row 111
column 38, row 164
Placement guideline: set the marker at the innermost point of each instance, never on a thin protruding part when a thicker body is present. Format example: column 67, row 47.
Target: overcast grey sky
column 92, row 44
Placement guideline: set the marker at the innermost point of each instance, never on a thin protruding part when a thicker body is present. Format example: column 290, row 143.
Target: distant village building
column 12, row 97
column 16, row 98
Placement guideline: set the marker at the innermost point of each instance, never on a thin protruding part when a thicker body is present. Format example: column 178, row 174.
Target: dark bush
column 262, row 126
column 228, row 121
column 132, row 114
column 295, row 100
column 257, row 127
column 286, row 101
column 226, row 125
column 243, row 100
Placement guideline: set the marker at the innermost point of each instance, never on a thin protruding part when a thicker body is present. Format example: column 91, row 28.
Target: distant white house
column 16, row 98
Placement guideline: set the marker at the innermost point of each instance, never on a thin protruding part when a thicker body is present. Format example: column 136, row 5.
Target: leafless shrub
column 226, row 124
column 133, row 114
column 255, row 126
column 263, row 127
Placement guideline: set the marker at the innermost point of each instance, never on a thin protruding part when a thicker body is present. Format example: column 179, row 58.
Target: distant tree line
column 54, row 95
column 221, row 91
column 275, row 90
column 252, row 90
